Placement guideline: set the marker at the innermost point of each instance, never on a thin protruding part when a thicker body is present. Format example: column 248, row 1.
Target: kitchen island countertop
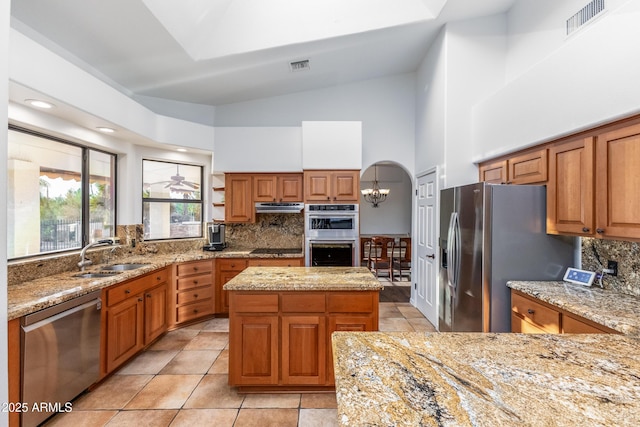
column 304, row 279
column 605, row 307
column 475, row 379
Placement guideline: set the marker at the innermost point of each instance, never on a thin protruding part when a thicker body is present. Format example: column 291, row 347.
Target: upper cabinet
column 570, row 187
column 277, row 187
column 526, row 168
column 239, row 206
column 332, row 186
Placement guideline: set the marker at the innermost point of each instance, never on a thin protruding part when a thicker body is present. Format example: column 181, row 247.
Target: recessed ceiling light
column 38, row 103
column 182, row 150
column 105, row 129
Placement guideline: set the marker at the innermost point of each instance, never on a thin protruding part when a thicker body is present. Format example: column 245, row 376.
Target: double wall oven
column 332, row 234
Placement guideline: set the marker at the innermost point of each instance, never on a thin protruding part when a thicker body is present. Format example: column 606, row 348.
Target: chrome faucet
column 84, row 261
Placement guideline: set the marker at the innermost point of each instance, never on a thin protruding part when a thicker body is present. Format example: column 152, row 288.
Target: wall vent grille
column 300, row 65
column 584, row 15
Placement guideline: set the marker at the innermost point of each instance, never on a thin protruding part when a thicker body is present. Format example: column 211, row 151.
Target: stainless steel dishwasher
column 60, row 355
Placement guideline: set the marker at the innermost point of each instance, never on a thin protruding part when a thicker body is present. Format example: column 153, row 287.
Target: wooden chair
column 365, row 248
column 401, row 258
column 380, row 255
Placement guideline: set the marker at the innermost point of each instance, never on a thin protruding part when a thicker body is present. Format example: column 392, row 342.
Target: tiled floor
column 181, row 380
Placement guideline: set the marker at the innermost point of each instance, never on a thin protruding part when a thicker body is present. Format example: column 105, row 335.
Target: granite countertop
column 611, row 309
column 33, row 295
column 304, row 279
column 474, row 379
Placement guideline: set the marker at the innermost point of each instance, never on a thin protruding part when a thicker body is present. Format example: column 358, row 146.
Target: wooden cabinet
column 239, row 206
column 194, row 291
column 135, row 315
column 276, row 262
column 226, row 269
column 283, row 339
column 532, row 316
column 526, row 168
column 617, row 183
column 277, row 187
column 332, row 186
column 570, row 187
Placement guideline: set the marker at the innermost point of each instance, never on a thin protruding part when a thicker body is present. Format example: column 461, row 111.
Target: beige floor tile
column 205, row 417
column 196, row 326
column 388, row 310
column 219, row 325
column 148, row 363
column 165, row 392
column 114, row 393
column 410, row 312
column 154, row 418
column 214, row 392
column 209, row 341
column 276, row 400
column 421, row 325
column 395, row 325
column 318, row 401
column 267, row 418
column 318, row 418
column 175, row 340
column 221, row 365
column 81, row 419
column 191, row 362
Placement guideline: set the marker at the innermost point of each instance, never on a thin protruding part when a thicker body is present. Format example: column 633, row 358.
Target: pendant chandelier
column 375, row 194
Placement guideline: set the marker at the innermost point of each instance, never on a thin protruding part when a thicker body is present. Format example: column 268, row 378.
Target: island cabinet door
column 253, row 350
column 345, row 323
column 303, row 350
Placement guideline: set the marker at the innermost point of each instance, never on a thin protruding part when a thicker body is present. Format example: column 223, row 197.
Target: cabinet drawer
column 254, row 303
column 276, row 262
column 231, row 264
column 194, row 282
column 118, row 293
column 197, row 267
column 537, row 314
column 305, row 303
column 571, row 325
column 197, row 294
column 350, row 303
column 194, row 311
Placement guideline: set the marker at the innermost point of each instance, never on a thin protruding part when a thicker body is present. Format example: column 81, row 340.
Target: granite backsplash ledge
column 597, row 252
column 269, row 231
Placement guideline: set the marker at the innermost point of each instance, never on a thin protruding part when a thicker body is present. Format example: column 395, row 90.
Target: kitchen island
column 281, row 320
column 475, row 379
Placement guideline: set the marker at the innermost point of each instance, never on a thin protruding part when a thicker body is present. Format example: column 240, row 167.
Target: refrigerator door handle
column 458, row 251
column 452, row 251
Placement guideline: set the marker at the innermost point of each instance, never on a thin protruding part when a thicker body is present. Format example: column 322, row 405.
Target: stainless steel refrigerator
column 490, row 234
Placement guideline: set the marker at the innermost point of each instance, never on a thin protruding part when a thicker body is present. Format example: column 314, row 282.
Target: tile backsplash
column 269, row 231
column 597, row 252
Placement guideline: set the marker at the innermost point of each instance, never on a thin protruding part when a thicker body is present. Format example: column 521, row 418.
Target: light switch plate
column 579, row 277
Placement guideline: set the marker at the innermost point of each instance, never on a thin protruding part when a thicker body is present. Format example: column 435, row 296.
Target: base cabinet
column 283, row 339
column 532, row 316
column 193, row 296
column 135, row 315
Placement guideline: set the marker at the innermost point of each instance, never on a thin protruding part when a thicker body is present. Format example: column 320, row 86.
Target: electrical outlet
column 613, row 265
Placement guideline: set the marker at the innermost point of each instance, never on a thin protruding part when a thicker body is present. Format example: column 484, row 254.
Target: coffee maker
column 216, row 238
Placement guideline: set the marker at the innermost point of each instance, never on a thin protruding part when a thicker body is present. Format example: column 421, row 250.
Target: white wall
column 588, row 79
column 5, row 9
column 385, row 107
column 332, row 145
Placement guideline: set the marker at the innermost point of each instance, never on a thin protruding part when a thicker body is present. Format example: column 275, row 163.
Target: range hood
column 279, row 207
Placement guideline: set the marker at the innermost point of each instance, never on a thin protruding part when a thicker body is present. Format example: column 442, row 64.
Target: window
column 171, row 200
column 60, row 195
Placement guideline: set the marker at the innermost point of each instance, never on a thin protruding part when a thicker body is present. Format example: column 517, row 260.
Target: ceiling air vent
column 585, row 15
column 300, row 65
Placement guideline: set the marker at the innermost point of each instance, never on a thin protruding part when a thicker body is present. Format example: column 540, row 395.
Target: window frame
column 85, row 186
column 199, row 201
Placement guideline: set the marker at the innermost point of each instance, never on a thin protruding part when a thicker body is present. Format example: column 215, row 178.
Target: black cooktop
column 277, row 251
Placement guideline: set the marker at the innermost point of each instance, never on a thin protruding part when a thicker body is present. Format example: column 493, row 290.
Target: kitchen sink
column 122, row 267
column 96, row 274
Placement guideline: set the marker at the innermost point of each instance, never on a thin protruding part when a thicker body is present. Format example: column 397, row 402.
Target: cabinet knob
column 195, row 310
column 195, row 268
column 148, row 295
column 139, row 299
column 195, row 282
column 195, row 295
column 530, row 311
column 585, row 229
column 127, row 291
column 600, row 230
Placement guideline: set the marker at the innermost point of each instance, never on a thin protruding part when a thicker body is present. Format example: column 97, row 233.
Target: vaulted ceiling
column 215, row 52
